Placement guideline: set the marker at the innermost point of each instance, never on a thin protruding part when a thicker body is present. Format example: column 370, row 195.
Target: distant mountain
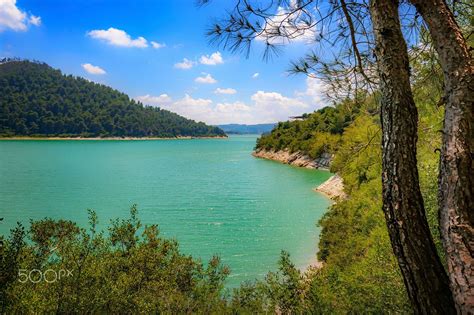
column 247, row 129
column 37, row 100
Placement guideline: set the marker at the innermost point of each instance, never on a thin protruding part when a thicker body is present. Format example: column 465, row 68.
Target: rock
column 295, row 158
column 333, row 188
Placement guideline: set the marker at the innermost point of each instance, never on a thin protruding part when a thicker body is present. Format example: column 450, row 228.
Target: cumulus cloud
column 160, row 100
column 225, row 91
column 185, row 64
column 188, row 101
column 273, row 106
column 93, row 69
column 263, row 107
column 315, row 89
column 212, row 60
column 255, row 75
column 206, row 79
column 11, row 17
column 117, row 37
column 157, row 45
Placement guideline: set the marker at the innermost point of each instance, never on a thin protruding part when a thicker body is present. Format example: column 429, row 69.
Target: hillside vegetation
column 37, row 100
column 318, row 132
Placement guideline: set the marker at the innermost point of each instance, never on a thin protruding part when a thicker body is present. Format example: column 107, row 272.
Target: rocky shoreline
column 296, row 158
column 333, row 188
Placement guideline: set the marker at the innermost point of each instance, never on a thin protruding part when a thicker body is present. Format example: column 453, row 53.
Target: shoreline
column 26, row 138
column 296, row 158
column 332, row 188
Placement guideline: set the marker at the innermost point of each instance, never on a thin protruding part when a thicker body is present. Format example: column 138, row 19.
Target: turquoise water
column 209, row 194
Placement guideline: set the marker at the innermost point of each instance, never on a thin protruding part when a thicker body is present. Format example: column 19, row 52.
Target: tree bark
column 456, row 181
column 424, row 276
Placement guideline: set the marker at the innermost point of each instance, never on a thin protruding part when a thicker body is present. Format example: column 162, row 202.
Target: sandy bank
column 111, row 138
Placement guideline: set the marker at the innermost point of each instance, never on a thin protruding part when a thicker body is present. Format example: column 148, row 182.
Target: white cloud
column 315, row 91
column 198, row 109
column 212, row 60
column 11, row 17
column 185, row 64
column 206, row 79
column 93, row 69
column 273, row 106
column 225, row 91
column 35, row 20
column 157, row 45
column 255, row 75
column 161, row 100
column 263, row 107
column 189, row 101
column 117, row 37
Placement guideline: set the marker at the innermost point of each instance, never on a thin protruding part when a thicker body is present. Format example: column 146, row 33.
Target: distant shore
column 112, row 138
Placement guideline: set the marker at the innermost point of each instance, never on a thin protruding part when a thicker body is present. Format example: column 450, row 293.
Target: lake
column 209, row 194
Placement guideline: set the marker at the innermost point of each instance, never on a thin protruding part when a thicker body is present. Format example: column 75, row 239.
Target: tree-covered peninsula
column 37, row 100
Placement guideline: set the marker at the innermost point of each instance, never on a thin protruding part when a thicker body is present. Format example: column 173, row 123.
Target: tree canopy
column 37, row 100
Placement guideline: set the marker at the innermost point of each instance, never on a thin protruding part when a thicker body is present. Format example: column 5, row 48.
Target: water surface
column 209, row 194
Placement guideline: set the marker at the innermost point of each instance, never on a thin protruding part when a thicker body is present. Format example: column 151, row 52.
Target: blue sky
column 138, row 47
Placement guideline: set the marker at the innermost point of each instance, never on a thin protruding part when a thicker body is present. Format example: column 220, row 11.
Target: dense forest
column 37, row 100
column 316, row 133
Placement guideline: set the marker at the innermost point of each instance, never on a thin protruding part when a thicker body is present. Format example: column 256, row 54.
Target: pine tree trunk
column 424, row 276
column 456, row 182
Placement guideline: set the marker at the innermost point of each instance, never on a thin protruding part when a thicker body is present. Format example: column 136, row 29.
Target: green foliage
column 283, row 291
column 122, row 272
column 10, row 251
column 37, row 100
column 130, row 269
column 317, row 133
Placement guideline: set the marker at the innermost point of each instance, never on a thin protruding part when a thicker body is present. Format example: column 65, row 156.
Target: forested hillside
column 37, row 100
column 317, row 132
